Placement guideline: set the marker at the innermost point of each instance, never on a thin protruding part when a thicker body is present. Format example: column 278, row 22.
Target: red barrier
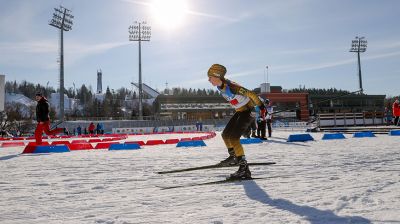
column 60, row 142
column 80, row 146
column 12, row 144
column 186, row 139
column 30, row 148
column 18, row 138
column 138, row 142
column 34, row 143
column 103, row 145
column 94, row 140
column 116, row 139
column 155, row 142
column 79, row 141
column 196, row 138
column 30, row 138
column 106, row 139
column 172, row 141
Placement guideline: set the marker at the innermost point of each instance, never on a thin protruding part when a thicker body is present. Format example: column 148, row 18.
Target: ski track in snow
column 355, row 180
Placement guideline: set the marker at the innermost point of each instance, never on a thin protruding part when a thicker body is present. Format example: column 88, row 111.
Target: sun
column 170, row 14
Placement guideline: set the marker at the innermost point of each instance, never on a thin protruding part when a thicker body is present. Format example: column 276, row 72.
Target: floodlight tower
column 139, row 31
column 359, row 45
column 62, row 20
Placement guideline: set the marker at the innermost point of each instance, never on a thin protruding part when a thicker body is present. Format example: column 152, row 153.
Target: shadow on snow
column 313, row 215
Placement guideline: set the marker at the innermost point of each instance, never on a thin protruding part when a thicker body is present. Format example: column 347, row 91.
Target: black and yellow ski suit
column 243, row 101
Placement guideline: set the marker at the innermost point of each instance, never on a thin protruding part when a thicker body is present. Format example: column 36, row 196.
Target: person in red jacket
column 43, row 119
column 396, row 111
column 91, row 128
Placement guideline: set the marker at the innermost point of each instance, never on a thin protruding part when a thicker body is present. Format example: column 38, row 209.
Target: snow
column 355, row 180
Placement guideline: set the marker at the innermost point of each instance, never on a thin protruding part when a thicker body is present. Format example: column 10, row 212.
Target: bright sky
column 303, row 42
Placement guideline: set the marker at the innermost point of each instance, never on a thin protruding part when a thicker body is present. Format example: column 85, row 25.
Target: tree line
column 113, row 103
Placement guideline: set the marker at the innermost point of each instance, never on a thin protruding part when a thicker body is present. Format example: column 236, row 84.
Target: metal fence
column 350, row 119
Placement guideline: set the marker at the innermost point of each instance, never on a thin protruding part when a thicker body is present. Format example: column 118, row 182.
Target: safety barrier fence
column 101, row 142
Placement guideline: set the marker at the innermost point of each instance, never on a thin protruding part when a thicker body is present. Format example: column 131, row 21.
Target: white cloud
column 42, row 54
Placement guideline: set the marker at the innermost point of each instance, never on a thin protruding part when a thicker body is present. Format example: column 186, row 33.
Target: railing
column 350, row 119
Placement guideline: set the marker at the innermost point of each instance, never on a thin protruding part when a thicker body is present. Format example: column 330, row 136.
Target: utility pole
column 140, row 32
column 62, row 20
column 359, row 45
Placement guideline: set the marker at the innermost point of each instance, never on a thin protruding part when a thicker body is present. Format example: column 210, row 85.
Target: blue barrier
column 51, row 148
column 394, row 132
column 300, row 138
column 126, row 146
column 250, row 141
column 364, row 134
column 195, row 143
column 329, row 136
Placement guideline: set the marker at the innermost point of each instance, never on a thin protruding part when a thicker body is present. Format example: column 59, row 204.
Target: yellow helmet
column 217, row 70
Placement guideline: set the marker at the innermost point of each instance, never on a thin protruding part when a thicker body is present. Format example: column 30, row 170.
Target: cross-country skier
column 43, row 119
column 243, row 101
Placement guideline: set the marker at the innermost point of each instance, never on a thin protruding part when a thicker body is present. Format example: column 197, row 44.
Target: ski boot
column 243, row 173
column 231, row 160
column 253, row 134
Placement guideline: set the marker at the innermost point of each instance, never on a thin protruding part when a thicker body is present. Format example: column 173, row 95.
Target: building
column 289, row 105
column 69, row 103
column 297, row 106
column 148, row 92
column 213, row 107
column 353, row 103
column 301, row 105
column 2, row 92
column 192, row 107
column 286, row 105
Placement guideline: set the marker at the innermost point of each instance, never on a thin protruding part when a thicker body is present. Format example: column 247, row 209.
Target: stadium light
column 359, row 45
column 62, row 20
column 139, row 31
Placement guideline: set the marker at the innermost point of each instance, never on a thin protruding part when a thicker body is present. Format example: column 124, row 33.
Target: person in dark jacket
column 43, row 119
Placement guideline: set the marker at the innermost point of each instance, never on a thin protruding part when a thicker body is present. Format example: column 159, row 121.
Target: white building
column 69, row 103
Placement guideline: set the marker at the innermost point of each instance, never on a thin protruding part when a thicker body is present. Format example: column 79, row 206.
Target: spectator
column 79, row 130
column 251, row 130
column 388, row 115
column 197, row 126
column 396, row 110
column 102, row 128
column 261, row 121
column 66, row 131
column 91, row 128
column 98, row 128
column 268, row 116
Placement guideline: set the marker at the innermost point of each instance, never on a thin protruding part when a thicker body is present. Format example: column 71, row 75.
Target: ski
column 218, row 165
column 211, row 183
